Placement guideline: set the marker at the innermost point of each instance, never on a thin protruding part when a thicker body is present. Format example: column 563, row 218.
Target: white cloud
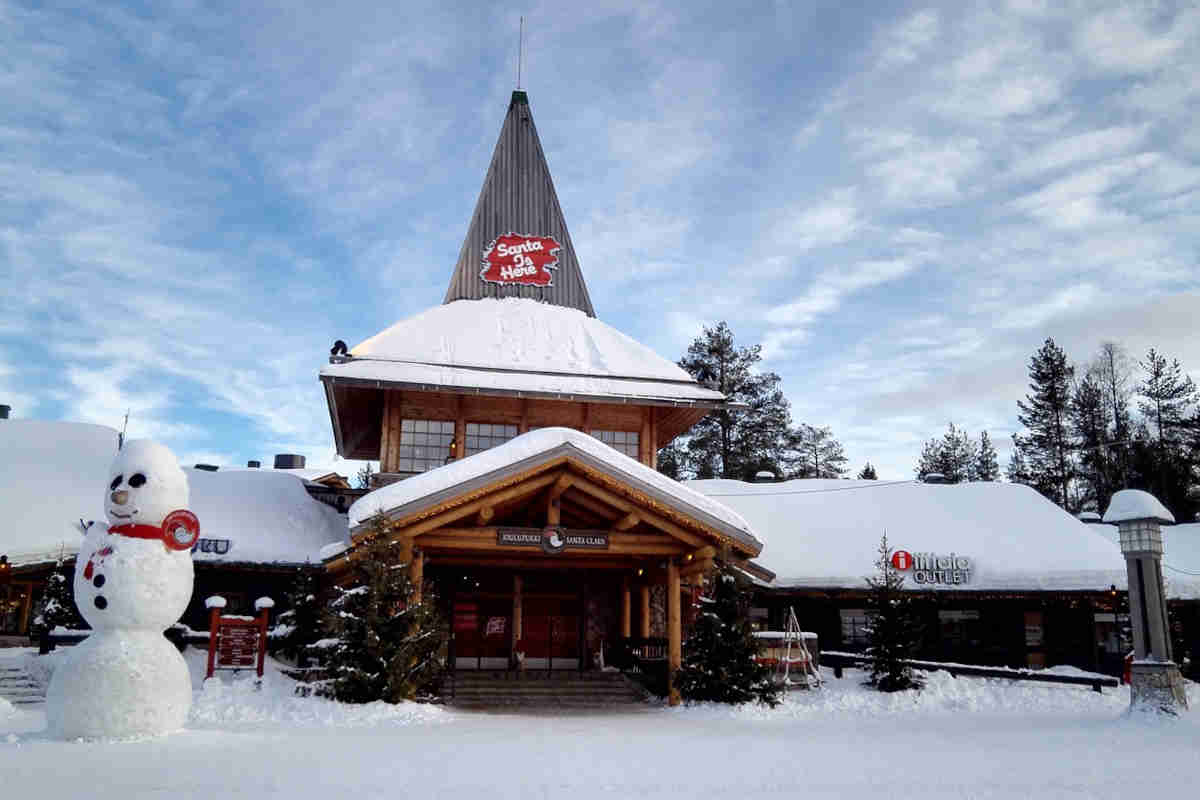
column 908, row 40
column 1126, row 40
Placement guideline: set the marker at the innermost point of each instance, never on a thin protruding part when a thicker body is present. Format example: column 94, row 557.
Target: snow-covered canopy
column 519, row 345
column 1131, row 504
column 55, row 473
column 825, row 533
column 543, row 444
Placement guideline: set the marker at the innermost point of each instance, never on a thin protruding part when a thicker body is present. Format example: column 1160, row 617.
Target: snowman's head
column 145, row 483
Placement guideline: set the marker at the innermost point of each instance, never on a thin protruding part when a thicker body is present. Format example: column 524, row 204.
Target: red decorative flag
column 520, row 259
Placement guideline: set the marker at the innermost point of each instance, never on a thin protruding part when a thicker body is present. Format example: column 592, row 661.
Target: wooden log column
column 644, row 590
column 518, row 622
column 416, row 574
column 674, row 630
column 626, row 610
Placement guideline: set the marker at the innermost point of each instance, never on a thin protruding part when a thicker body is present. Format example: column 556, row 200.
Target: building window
column 854, row 627
column 424, row 444
column 482, row 436
column 960, row 628
column 622, row 441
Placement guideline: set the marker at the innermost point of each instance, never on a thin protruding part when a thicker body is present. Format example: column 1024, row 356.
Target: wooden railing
column 839, row 661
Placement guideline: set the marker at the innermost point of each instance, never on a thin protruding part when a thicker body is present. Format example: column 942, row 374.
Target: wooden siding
column 518, row 197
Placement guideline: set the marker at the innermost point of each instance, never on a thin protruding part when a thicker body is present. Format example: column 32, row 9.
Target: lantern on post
column 1155, row 681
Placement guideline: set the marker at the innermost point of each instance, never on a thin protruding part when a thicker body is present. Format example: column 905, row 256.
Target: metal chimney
column 289, row 461
column 253, row 464
column 4, row 411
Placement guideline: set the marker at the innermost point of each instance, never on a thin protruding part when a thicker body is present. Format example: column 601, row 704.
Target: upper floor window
column 483, row 436
column 623, row 441
column 424, row 444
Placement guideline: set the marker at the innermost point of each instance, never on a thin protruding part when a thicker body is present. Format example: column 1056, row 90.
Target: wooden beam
column 485, row 515
column 674, row 631
column 644, row 591
column 525, row 488
column 474, row 544
column 553, row 510
column 625, row 608
column 416, row 575
column 530, row 562
column 518, row 610
column 648, row 517
column 585, row 501
column 626, row 522
column 561, row 485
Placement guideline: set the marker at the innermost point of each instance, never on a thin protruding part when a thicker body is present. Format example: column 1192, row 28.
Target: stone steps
column 18, row 687
column 588, row 691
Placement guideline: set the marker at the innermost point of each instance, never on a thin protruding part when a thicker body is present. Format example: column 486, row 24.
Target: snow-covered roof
column 825, row 533
column 518, row 345
column 1181, row 557
column 527, row 450
column 55, row 473
column 1131, row 504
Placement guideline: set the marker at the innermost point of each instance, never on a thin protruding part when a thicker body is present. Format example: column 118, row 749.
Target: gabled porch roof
column 596, row 487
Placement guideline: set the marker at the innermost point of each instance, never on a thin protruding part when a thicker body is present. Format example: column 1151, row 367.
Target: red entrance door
column 550, row 632
column 482, row 632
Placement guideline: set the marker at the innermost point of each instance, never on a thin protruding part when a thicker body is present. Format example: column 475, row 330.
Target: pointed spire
column 517, row 244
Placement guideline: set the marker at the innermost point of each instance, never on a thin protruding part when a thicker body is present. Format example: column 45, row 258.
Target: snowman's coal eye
column 137, row 479
column 116, row 482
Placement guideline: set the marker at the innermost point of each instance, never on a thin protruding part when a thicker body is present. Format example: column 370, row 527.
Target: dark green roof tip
column 519, row 98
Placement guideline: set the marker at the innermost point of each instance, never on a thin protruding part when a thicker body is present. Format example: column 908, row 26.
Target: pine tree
column 383, row 645
column 300, row 626
column 57, row 606
column 719, row 655
column 733, row 443
column 868, row 473
column 1168, row 401
column 672, row 461
column 894, row 631
column 1111, row 369
column 987, row 466
column 1048, row 449
column 954, row 457
column 362, row 480
column 1018, row 470
column 814, row 453
column 1090, row 429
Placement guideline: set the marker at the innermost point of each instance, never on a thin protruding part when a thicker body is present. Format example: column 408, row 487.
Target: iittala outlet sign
column 521, row 259
column 926, row 568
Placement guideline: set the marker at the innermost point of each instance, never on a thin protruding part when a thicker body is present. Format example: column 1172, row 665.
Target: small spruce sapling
column 382, row 645
column 57, row 606
column 298, row 628
column 894, row 630
column 719, row 654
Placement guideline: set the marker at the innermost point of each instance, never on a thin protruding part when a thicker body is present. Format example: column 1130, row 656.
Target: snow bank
column 824, row 533
column 518, row 344
column 7, row 709
column 1131, row 504
column 530, row 445
column 55, row 473
column 230, row 701
column 942, row 696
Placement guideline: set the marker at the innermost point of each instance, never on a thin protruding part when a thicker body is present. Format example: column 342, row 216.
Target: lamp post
column 1155, row 681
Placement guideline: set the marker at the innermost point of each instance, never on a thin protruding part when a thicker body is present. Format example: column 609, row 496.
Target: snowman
column 133, row 578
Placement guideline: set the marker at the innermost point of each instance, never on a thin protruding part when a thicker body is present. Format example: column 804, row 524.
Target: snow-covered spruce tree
column 868, row 473
column 381, row 645
column 300, row 626
column 718, row 656
column 894, row 630
column 57, row 606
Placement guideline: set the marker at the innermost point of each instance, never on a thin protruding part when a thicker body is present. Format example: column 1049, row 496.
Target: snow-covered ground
column 958, row 738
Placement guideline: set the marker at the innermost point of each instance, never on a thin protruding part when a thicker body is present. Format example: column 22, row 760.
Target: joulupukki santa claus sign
column 518, row 258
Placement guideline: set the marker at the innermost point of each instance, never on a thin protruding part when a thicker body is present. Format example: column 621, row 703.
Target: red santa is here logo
column 521, row 259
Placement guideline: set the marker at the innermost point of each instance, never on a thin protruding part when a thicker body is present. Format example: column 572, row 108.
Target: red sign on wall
column 902, row 559
column 520, row 259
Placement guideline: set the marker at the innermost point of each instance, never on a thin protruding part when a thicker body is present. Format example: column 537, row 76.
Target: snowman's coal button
column 99, row 581
column 100, row 602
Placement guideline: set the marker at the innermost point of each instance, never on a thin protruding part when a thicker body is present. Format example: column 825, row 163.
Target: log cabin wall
column 525, row 414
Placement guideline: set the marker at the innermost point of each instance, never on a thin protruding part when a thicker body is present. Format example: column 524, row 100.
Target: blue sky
column 899, row 201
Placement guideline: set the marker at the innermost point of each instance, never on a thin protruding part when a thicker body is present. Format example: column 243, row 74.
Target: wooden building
column 517, row 438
